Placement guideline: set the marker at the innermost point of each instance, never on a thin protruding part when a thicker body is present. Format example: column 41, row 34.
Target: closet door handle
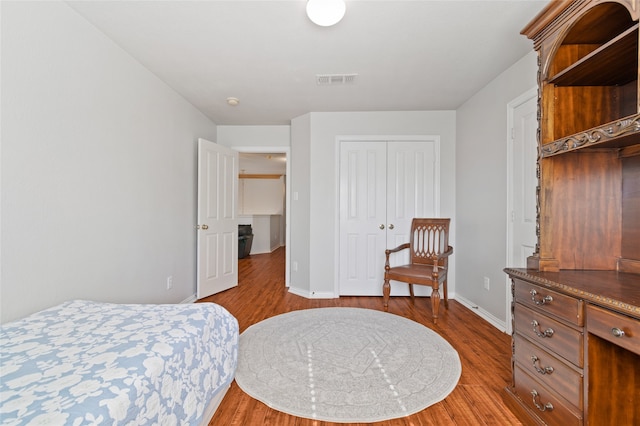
column 391, row 226
column 381, row 226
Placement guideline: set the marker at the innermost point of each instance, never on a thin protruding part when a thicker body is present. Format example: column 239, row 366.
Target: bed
column 85, row 362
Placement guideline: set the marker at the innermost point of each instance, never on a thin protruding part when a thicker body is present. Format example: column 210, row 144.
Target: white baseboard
column 487, row 316
column 190, row 299
column 270, row 250
column 313, row 294
column 482, row 313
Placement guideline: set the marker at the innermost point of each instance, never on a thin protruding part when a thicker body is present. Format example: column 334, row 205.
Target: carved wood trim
column 599, row 299
column 541, row 23
column 605, row 133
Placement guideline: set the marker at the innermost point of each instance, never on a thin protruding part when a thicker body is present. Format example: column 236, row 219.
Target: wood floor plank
column 459, row 410
column 484, row 351
column 489, row 410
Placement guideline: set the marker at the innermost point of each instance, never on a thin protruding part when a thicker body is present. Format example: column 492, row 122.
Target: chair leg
column 386, row 291
column 411, row 292
column 435, row 304
column 446, row 297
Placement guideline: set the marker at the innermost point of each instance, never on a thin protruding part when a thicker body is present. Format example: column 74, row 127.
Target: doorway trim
column 511, row 107
column 287, row 179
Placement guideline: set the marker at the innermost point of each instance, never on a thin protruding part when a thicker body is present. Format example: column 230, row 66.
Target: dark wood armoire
column 576, row 307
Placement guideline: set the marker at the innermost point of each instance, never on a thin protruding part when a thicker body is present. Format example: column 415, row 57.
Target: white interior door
column 383, row 186
column 524, row 182
column 217, row 218
column 363, row 216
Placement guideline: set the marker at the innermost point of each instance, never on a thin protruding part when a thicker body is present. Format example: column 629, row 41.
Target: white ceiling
column 409, row 55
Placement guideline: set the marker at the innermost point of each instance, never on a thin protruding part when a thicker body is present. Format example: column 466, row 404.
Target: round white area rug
column 346, row 365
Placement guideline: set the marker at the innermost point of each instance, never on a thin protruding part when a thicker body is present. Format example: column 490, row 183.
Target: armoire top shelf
column 613, row 63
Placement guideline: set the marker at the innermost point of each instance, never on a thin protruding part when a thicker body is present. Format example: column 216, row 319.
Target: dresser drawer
column 618, row 329
column 549, row 301
column 549, row 370
column 544, row 402
column 553, row 335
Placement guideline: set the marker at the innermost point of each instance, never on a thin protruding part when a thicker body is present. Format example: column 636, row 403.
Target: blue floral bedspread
column 88, row 363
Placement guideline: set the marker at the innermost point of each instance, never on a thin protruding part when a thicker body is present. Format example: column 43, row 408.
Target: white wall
column 300, row 224
column 261, row 196
column 98, row 168
column 254, row 136
column 314, row 177
column 481, row 189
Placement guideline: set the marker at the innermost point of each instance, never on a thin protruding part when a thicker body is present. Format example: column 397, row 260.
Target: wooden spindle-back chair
column 429, row 252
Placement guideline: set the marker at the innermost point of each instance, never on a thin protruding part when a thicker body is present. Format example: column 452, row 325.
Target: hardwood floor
column 484, row 350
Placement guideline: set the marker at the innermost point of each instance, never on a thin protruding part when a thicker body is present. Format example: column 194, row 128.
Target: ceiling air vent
column 335, row 79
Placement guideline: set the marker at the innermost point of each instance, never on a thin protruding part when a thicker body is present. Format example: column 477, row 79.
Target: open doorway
column 263, row 172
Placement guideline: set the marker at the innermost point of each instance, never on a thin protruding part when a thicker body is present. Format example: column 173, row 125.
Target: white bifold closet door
column 384, row 184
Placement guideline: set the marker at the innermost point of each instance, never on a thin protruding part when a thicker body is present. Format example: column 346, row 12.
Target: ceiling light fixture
column 233, row 101
column 326, row 12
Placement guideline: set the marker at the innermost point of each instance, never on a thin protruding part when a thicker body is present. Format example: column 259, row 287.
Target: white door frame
column 375, row 138
column 511, row 106
column 287, row 179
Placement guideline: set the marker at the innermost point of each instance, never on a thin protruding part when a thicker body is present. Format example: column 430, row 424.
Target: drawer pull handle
column 617, row 332
column 546, row 407
column 543, row 301
column 536, row 328
column 541, row 370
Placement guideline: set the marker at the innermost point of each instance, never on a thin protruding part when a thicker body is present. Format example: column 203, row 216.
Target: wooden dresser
column 576, row 347
column 576, row 307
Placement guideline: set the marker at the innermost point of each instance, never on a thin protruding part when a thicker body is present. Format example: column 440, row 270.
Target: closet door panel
column 363, row 209
column 412, row 191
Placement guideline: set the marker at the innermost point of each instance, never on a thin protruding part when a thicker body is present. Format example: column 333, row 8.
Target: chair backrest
column 429, row 237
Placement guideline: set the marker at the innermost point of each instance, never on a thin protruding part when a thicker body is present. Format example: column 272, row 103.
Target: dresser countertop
column 617, row 291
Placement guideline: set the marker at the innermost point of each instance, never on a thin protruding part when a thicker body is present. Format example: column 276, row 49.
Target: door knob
column 381, row 226
column 205, row 227
column 391, row 226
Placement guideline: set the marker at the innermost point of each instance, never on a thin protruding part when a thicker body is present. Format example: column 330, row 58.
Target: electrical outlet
column 486, row 283
column 169, row 282
column 295, row 266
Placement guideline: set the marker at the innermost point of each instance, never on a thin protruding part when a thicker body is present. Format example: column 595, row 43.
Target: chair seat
column 416, row 274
